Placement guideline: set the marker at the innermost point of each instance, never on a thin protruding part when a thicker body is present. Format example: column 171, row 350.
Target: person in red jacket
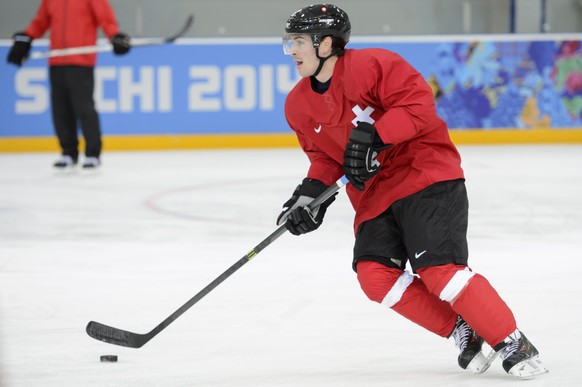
column 72, row 24
column 369, row 115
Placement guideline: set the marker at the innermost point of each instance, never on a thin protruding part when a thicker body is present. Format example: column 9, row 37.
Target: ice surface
column 129, row 244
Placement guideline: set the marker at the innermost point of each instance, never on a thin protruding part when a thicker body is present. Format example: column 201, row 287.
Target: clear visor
column 297, row 43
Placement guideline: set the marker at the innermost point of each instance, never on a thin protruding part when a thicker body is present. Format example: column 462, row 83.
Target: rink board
column 224, row 93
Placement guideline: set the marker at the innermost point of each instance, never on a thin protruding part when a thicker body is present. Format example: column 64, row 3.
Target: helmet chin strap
column 321, row 61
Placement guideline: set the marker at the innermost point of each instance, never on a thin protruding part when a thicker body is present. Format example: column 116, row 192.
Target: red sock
column 406, row 295
column 473, row 297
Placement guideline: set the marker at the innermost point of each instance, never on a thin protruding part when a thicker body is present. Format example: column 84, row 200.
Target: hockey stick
column 109, row 47
column 125, row 338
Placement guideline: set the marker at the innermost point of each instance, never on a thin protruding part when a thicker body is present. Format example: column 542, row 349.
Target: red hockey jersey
column 379, row 87
column 73, row 23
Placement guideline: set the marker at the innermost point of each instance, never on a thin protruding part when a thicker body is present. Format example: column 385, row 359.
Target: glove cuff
column 366, row 134
column 22, row 37
column 311, row 187
column 363, row 133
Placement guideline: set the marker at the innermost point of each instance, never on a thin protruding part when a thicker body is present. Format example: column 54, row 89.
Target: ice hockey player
column 370, row 115
column 72, row 24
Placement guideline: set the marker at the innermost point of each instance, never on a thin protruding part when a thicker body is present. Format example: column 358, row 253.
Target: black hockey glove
column 296, row 216
column 20, row 49
column 121, row 43
column 360, row 162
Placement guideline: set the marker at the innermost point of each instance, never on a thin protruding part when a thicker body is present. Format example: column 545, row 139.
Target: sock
column 406, row 295
column 473, row 297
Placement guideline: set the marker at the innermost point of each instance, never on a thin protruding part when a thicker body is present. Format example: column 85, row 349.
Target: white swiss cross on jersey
column 363, row 115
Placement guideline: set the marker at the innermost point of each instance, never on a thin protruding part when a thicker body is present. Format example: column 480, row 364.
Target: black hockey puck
column 108, row 358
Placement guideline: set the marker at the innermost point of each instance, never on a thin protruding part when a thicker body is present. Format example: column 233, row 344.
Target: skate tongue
column 511, row 344
column 515, row 336
column 528, row 369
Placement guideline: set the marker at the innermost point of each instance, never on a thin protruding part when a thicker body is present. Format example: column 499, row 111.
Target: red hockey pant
column 437, row 296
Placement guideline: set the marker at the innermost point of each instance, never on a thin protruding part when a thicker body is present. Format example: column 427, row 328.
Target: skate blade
column 66, row 171
column 482, row 362
column 91, row 171
column 478, row 364
column 528, row 369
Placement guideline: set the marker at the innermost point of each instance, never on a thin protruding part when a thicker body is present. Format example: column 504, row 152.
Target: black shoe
column 520, row 357
column 469, row 344
column 65, row 161
column 91, row 163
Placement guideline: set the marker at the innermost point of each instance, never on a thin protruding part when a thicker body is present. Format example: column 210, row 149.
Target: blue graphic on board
column 163, row 90
column 204, row 88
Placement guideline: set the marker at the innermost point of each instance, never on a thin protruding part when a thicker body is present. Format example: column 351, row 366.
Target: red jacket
column 376, row 86
column 73, row 23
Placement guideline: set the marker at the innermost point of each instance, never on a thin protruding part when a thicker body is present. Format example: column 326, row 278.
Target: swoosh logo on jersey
column 418, row 255
column 317, row 130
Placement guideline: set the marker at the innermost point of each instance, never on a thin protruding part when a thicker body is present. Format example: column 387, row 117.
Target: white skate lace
column 461, row 335
column 512, row 345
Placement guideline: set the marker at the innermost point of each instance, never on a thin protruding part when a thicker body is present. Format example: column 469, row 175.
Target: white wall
column 369, row 17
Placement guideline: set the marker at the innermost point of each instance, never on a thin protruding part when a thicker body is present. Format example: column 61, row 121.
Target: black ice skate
column 91, row 163
column 520, row 357
column 65, row 162
column 469, row 344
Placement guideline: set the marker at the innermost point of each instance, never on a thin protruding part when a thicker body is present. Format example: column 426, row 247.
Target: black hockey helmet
column 321, row 20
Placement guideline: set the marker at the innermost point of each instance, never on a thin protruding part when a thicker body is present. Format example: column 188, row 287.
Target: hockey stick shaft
column 108, row 47
column 124, row 338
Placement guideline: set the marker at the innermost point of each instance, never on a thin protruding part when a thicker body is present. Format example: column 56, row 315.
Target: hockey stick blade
column 108, row 47
column 116, row 336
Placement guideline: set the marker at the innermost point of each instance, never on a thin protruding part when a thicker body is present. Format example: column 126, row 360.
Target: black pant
column 72, row 102
column 428, row 228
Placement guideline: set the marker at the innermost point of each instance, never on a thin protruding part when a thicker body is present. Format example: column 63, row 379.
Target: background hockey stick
column 124, row 338
column 109, row 47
